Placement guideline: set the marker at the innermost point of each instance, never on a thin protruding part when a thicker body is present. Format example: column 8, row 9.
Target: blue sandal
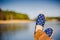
column 49, row 31
column 40, row 20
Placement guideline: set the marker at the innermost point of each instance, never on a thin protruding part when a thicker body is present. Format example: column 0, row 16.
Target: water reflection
column 9, row 29
column 13, row 27
column 24, row 31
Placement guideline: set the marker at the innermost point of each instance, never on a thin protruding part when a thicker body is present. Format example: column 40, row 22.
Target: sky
column 33, row 8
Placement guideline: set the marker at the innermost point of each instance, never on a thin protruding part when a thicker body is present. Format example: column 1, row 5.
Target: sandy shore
column 14, row 21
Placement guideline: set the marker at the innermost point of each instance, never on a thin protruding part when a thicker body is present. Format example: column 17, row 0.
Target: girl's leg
column 40, row 21
column 38, row 33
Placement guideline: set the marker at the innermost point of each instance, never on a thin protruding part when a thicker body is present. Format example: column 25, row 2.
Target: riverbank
column 20, row 21
column 14, row 21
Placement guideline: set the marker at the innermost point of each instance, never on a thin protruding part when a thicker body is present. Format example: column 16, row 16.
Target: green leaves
column 8, row 15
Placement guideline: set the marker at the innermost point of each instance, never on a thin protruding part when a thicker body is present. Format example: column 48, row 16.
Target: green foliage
column 8, row 15
column 50, row 18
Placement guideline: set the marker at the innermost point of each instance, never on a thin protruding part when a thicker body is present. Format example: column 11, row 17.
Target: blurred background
column 18, row 18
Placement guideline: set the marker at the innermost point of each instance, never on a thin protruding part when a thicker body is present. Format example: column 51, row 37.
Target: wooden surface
column 40, row 35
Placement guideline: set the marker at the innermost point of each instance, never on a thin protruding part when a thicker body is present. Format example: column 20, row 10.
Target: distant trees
column 50, row 18
column 2, row 16
column 11, row 15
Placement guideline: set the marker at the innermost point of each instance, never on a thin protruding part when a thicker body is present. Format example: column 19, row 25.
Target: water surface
column 24, row 31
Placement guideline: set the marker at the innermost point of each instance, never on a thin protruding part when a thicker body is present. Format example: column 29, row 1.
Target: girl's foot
column 40, row 21
column 49, row 31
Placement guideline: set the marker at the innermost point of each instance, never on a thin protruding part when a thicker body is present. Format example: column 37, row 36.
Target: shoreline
column 15, row 21
column 19, row 21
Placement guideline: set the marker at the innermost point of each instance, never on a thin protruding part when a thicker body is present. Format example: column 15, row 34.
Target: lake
column 24, row 31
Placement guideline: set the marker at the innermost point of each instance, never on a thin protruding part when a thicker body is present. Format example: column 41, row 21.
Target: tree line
column 11, row 15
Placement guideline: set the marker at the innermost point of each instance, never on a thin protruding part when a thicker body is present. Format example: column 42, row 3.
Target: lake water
column 24, row 31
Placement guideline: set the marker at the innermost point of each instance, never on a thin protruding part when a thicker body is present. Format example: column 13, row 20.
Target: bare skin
column 40, row 35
